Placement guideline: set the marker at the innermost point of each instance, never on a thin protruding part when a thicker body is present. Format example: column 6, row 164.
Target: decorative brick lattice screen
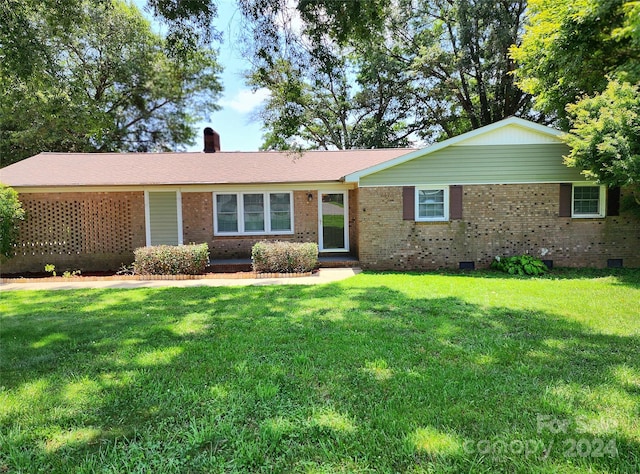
column 76, row 223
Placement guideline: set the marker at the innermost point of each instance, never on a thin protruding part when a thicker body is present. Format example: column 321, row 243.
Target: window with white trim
column 226, row 213
column 253, row 206
column 280, row 212
column 432, row 204
column 588, row 201
column 253, row 213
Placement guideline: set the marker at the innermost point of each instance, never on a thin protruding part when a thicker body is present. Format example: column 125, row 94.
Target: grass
column 378, row 373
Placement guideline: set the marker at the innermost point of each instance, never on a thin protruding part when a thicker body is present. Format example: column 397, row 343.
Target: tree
column 188, row 23
column 605, row 135
column 320, row 99
column 572, row 48
column 105, row 83
column 427, row 70
column 461, row 57
column 10, row 213
column 345, row 20
column 582, row 62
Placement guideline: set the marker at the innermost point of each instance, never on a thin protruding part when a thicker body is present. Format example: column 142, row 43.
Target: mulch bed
column 107, row 276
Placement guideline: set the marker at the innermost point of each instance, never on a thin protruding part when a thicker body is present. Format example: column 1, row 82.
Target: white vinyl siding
column 512, row 135
column 432, row 204
column 588, row 201
column 163, row 218
column 482, row 164
column 253, row 213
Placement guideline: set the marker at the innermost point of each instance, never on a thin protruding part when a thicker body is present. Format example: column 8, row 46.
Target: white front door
column 333, row 222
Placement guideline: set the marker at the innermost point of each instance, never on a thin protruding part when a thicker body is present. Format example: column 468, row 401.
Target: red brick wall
column 78, row 231
column 497, row 220
column 197, row 221
column 353, row 221
column 99, row 231
column 197, row 218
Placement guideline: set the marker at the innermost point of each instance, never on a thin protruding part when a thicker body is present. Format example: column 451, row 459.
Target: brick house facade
column 500, row 190
column 496, row 220
column 197, row 217
column 95, row 231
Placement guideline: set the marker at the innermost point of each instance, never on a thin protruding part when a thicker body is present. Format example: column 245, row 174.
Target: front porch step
column 232, row 265
column 244, row 264
column 338, row 261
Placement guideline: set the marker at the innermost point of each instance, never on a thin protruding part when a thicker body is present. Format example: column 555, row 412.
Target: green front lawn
column 381, row 372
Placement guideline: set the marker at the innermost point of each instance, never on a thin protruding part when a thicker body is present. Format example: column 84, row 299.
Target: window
column 227, row 212
column 432, row 204
column 253, row 213
column 588, row 201
column 280, row 204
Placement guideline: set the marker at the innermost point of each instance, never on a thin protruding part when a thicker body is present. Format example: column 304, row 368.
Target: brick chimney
column 211, row 140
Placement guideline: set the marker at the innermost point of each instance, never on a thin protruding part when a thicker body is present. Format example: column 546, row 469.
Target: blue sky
column 238, row 132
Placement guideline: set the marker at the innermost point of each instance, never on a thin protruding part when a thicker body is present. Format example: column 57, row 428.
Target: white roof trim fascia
column 536, row 127
column 471, row 183
column 189, row 188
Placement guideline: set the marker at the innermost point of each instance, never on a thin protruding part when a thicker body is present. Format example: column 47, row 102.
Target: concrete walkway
column 324, row 275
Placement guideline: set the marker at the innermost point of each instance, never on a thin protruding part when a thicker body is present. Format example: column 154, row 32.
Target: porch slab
column 233, row 265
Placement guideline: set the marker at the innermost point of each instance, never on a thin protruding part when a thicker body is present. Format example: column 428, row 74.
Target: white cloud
column 246, row 100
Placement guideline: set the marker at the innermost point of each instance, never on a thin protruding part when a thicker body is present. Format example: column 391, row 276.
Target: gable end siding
column 486, row 164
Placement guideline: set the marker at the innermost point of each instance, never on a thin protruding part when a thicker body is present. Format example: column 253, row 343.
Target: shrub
column 284, row 257
column 10, row 213
column 519, row 265
column 171, row 260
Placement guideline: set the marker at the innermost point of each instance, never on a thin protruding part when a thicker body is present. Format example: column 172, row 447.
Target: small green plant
column 519, row 265
column 50, row 268
column 284, row 257
column 69, row 274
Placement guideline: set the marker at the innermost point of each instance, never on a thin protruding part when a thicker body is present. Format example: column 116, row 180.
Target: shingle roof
column 114, row 169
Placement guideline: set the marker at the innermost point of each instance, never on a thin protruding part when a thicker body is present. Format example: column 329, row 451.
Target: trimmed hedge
column 171, row 259
column 284, row 257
